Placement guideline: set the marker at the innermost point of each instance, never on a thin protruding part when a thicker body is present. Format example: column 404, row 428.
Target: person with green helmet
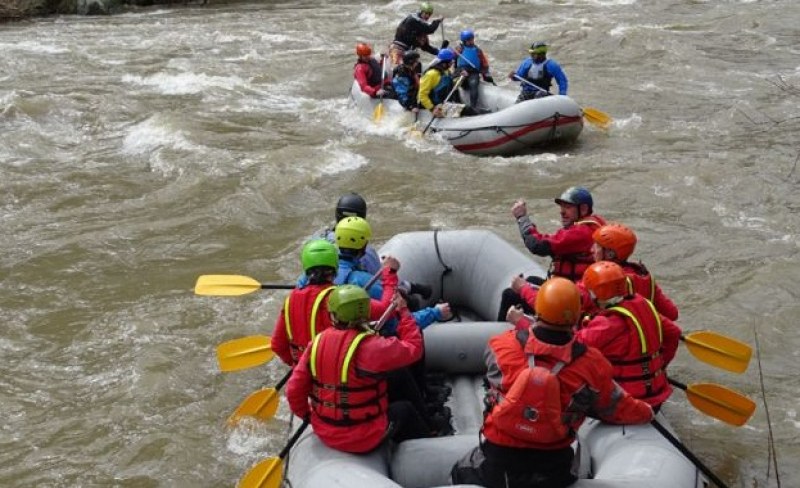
column 537, row 72
column 305, row 311
column 412, row 34
column 340, row 383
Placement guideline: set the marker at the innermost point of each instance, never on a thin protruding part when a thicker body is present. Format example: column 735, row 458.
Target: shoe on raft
column 441, row 425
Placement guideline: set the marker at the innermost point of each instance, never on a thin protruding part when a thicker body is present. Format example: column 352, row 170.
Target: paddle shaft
column 283, row 380
column 289, row 445
column 470, row 63
column 455, row 87
column 689, row 455
column 277, row 286
column 518, row 77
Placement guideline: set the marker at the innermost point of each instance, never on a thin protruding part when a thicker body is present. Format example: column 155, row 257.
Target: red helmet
column 605, row 280
column 616, row 237
column 558, row 302
column 363, row 49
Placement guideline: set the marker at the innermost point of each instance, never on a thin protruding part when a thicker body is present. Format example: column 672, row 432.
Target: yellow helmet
column 353, row 233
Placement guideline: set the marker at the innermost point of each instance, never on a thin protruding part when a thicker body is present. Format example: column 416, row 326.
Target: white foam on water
column 152, row 134
column 184, row 83
column 33, row 47
column 339, row 159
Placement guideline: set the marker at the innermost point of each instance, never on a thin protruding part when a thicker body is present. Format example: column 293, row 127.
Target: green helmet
column 426, row 8
column 349, row 303
column 352, row 233
column 319, row 252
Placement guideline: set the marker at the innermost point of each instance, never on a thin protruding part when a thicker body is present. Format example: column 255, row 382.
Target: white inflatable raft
column 510, row 128
column 469, row 269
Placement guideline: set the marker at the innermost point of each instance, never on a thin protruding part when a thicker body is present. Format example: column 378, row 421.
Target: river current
column 142, row 150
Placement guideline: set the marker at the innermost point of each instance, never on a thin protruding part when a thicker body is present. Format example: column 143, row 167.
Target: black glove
column 535, row 280
column 445, row 43
column 488, row 79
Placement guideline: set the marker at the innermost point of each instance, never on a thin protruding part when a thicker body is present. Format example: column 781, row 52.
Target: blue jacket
column 351, row 274
column 423, row 317
column 405, row 87
column 551, row 70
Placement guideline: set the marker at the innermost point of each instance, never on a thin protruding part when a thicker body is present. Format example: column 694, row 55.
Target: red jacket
column 290, row 344
column 372, row 356
column 586, row 385
column 368, row 76
column 642, row 282
column 617, row 336
column 570, row 248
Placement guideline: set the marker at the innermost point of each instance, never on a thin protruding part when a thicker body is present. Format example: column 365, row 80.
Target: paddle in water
column 269, row 472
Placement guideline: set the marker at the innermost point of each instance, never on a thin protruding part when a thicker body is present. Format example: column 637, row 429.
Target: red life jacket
column 639, row 280
column 641, row 373
column 535, row 411
column 572, row 266
column 305, row 314
column 339, row 395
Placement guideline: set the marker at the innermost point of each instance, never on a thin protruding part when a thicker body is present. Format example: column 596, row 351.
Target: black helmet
column 410, row 57
column 351, row 205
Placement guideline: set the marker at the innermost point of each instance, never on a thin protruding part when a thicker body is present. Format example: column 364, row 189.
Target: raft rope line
column 446, row 270
column 771, row 452
column 499, row 129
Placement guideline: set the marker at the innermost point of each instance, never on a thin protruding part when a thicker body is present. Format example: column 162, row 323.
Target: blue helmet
column 466, row 35
column 446, row 55
column 576, row 195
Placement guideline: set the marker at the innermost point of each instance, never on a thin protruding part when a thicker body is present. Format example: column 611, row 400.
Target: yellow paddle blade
column 261, row 404
column 243, row 353
column 225, row 285
column 721, row 403
column 378, row 113
column 266, row 474
column 719, row 350
column 596, row 117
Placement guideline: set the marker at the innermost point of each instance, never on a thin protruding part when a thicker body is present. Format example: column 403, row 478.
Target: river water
column 142, row 150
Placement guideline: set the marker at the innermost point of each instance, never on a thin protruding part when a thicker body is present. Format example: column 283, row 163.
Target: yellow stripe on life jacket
column 312, row 326
column 639, row 330
column 347, row 358
column 631, row 291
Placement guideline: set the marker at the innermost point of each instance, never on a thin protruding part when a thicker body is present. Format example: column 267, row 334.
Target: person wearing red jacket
column 637, row 340
column 615, row 242
column 527, row 444
column 612, row 242
column 305, row 311
column 570, row 247
column 339, row 382
column 371, row 75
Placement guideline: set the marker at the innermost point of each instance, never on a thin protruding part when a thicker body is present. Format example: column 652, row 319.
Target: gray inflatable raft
column 508, row 128
column 469, row 269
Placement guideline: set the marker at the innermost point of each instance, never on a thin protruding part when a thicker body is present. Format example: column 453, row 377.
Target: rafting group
column 594, row 337
column 399, row 75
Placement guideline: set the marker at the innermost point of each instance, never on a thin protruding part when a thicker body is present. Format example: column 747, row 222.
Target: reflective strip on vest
column 347, row 359
column 639, row 330
column 631, row 290
column 312, row 326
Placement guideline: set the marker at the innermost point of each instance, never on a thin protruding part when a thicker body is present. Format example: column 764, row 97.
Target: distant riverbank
column 11, row 10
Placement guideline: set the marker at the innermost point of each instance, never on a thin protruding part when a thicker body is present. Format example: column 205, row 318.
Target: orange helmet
column 605, row 280
column 616, row 237
column 363, row 49
column 558, row 302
